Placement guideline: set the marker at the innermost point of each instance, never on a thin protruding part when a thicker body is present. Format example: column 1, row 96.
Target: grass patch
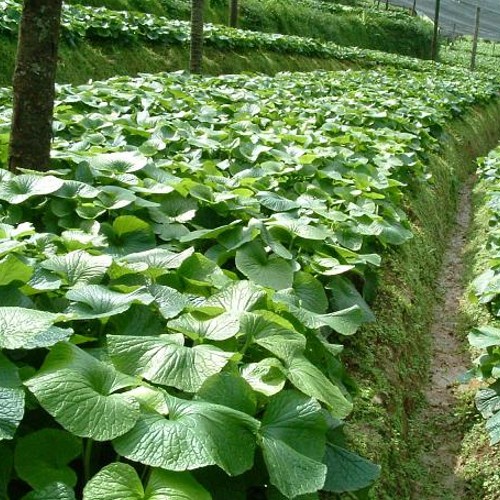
column 97, row 61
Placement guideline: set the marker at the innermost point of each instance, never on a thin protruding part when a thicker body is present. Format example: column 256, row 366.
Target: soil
column 448, row 362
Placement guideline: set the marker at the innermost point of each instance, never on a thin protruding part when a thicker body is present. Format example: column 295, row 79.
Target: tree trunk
column 233, row 14
column 196, row 36
column 34, row 85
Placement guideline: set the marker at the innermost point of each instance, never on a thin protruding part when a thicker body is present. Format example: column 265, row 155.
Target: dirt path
column 448, row 362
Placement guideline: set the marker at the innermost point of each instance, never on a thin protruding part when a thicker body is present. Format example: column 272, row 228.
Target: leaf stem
column 87, row 458
column 145, row 474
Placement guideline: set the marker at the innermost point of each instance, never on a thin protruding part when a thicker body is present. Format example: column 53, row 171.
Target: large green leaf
column 311, row 381
column 13, row 269
column 345, row 295
column 269, row 271
column 198, row 270
column 53, row 491
column 84, row 395
column 24, row 186
column 128, row 234
column 119, row 481
column 165, row 360
column 267, row 376
column 111, row 164
column 11, row 399
column 275, row 202
column 42, row 457
column 485, row 336
column 79, row 267
column 488, row 403
column 274, row 334
column 229, row 389
column 158, row 261
column 293, row 440
column 348, row 471
column 184, row 435
column 237, row 297
column 138, row 320
column 310, row 292
column 300, row 227
column 97, row 301
column 221, row 327
column 28, row 329
column 170, row 302
column 346, row 321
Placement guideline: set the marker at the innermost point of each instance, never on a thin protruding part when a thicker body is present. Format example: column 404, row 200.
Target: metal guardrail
column 457, row 17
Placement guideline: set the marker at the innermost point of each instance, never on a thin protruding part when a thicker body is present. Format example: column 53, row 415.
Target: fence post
column 434, row 45
column 474, row 43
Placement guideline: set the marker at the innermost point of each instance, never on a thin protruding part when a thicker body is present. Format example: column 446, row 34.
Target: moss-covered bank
column 390, row 359
column 98, row 61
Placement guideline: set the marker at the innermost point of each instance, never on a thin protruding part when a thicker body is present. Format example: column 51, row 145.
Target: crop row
column 100, row 23
column 486, row 287
column 175, row 291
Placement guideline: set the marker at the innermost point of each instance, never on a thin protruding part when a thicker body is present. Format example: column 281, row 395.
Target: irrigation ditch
column 408, row 361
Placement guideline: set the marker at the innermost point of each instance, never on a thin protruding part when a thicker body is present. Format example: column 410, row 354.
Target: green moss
column 96, row 61
column 390, row 359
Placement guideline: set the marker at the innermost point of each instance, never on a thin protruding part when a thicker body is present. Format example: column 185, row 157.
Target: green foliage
column 486, row 289
column 363, row 26
column 79, row 22
column 154, row 242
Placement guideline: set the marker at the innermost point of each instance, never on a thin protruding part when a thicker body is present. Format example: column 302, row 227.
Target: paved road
column 459, row 16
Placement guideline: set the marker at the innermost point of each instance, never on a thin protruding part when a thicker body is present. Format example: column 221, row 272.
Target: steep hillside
column 392, row 31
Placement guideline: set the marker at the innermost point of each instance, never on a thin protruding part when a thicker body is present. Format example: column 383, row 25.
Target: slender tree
column 196, row 60
column 233, row 13
column 34, row 85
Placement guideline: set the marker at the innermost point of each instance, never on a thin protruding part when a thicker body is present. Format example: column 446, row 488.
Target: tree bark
column 34, row 85
column 196, row 60
column 233, row 14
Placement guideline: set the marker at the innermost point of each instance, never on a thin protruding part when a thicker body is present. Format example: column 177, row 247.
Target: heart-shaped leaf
column 159, row 260
column 79, row 267
column 311, row 381
column 163, row 360
column 42, row 457
column 22, row 328
column 348, row 471
column 269, row 271
column 221, row 327
column 119, row 481
column 237, row 297
column 293, row 443
column 229, row 389
column 128, row 234
column 96, row 301
column 54, row 491
column 267, row 376
column 185, row 435
column 170, row 302
column 111, row 164
column 13, row 269
column 84, row 395
column 22, row 187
